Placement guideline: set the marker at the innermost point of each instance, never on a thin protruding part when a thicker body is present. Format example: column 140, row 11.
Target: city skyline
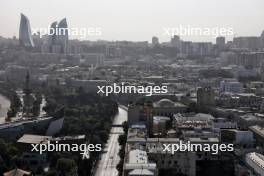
column 132, row 88
column 120, row 20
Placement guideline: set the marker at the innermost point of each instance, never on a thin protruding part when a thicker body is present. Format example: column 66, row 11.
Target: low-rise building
column 231, row 86
column 223, row 123
column 166, row 107
column 258, row 132
column 248, row 120
column 239, row 138
column 191, row 121
column 138, row 164
column 17, row 172
column 256, row 162
column 160, row 124
column 180, row 162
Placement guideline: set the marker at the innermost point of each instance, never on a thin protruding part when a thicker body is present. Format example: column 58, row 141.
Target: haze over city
column 132, row 88
column 137, row 20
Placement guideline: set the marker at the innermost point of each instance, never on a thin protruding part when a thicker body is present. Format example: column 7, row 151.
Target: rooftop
column 142, row 172
column 17, row 172
column 138, row 157
column 161, row 118
column 37, row 139
column 193, row 117
column 251, row 117
column 167, row 103
column 164, row 140
column 34, row 139
column 257, row 158
column 202, row 140
column 258, row 130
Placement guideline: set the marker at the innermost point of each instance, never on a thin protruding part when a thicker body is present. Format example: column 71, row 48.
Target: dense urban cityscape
column 72, row 107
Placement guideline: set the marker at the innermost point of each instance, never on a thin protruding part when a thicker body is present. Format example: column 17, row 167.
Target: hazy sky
column 136, row 20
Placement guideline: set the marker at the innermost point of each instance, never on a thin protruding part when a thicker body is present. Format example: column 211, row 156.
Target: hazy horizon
column 137, row 20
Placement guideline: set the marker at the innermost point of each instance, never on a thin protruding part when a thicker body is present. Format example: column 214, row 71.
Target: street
column 109, row 159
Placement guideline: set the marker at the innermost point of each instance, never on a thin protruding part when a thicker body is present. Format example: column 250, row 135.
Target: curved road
column 110, row 159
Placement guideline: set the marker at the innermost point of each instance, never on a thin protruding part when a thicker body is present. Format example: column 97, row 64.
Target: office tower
column 176, row 42
column 25, row 38
column 62, row 35
column 262, row 39
column 220, row 43
column 186, row 47
column 58, row 37
column 155, row 41
column 52, row 34
column 252, row 43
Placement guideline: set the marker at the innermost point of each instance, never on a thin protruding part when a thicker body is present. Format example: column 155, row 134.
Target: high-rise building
column 176, row 42
column 202, row 48
column 262, row 39
column 155, row 40
column 25, row 38
column 231, row 86
column 186, row 47
column 220, row 43
column 28, row 98
column 58, row 37
column 52, row 35
column 62, row 35
column 253, row 43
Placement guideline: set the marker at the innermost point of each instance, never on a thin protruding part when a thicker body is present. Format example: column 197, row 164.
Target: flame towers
column 58, row 37
column 25, row 37
column 62, row 38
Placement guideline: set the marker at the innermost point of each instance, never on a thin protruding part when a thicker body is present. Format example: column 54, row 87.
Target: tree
column 7, row 156
column 84, row 113
column 66, row 167
column 125, row 126
column 122, row 139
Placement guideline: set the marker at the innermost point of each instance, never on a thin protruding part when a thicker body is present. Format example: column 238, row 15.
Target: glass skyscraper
column 25, row 37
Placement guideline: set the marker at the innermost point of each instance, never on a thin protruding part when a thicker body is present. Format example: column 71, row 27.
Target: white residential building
column 256, row 162
column 231, row 85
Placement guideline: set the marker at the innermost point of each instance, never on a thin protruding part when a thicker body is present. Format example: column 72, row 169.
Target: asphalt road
column 109, row 159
